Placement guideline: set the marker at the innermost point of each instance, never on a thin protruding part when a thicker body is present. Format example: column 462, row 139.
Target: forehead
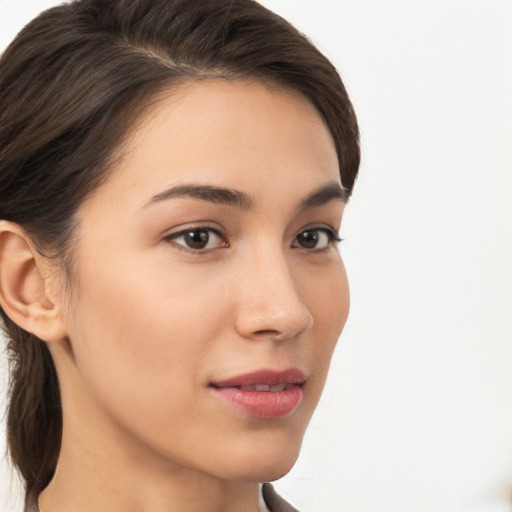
column 244, row 134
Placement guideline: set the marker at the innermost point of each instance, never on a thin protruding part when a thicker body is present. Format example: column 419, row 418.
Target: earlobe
column 24, row 291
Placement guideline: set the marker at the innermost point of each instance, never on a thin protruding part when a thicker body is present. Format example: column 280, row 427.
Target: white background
column 417, row 413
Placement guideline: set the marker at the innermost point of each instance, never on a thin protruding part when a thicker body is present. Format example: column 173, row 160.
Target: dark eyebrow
column 331, row 191
column 210, row 193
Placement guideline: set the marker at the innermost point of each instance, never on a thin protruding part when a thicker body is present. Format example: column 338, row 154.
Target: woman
column 173, row 175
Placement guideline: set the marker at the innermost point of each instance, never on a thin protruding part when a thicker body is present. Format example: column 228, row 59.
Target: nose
column 270, row 305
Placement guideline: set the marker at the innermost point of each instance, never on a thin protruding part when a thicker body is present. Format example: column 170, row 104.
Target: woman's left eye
column 316, row 239
column 198, row 239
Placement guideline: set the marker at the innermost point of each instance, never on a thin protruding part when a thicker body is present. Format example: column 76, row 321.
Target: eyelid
column 321, row 227
column 330, row 232
column 170, row 237
column 200, row 224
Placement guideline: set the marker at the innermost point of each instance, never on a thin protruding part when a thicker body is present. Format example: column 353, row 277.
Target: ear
column 27, row 294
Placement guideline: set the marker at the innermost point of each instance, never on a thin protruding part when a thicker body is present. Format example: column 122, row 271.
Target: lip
column 262, row 403
column 264, row 376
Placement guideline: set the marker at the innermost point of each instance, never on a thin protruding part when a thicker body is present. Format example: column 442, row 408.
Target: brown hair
column 71, row 84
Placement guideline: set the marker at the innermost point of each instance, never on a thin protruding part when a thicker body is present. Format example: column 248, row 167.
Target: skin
column 151, row 324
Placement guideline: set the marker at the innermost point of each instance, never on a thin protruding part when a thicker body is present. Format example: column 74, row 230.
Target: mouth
column 263, row 393
column 266, row 387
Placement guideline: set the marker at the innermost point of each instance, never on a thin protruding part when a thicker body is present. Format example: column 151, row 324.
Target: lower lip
column 262, row 404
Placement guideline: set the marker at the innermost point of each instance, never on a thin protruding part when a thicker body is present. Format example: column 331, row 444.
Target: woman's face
column 208, row 291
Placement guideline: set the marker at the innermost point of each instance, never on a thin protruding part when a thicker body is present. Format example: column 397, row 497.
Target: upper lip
column 269, row 377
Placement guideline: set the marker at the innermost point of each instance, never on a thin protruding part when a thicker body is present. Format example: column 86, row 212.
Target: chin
column 257, row 464
column 276, row 471
column 267, row 471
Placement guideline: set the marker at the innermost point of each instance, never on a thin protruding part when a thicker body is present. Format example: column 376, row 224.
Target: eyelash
column 332, row 239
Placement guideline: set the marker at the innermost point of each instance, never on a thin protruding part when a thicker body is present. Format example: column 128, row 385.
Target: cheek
column 329, row 302
column 141, row 345
column 140, row 337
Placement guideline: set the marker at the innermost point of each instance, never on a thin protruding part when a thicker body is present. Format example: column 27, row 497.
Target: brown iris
column 308, row 239
column 197, row 239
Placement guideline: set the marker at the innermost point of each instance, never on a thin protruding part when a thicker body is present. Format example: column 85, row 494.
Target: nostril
column 275, row 319
column 267, row 332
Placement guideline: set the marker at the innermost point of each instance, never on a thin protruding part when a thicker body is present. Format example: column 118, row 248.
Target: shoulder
column 274, row 502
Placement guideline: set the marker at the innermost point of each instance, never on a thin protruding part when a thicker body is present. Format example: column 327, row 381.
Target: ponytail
column 34, row 416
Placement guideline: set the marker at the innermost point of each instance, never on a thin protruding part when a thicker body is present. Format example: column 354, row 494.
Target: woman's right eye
column 198, row 239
